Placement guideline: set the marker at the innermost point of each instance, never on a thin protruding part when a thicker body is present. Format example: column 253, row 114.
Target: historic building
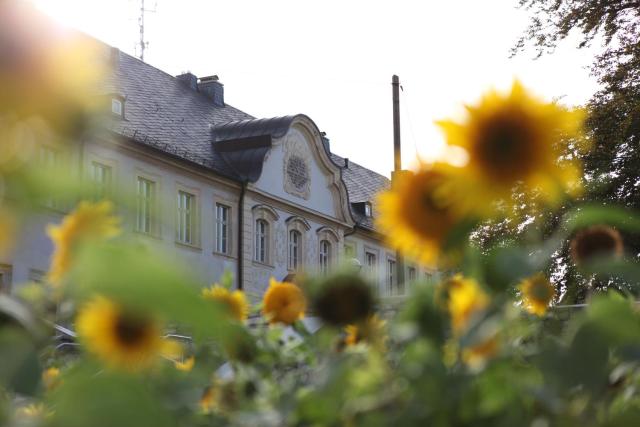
column 217, row 188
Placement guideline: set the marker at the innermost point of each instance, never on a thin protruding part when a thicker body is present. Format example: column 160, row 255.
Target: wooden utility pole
column 397, row 161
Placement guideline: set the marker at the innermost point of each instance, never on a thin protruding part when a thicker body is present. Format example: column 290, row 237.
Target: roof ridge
column 351, row 162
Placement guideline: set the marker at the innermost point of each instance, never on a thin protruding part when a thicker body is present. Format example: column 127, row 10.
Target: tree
column 612, row 166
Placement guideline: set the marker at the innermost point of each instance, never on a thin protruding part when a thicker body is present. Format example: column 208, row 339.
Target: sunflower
column 515, row 138
column 220, row 397
column 477, row 355
column 34, row 411
column 207, row 401
column 121, row 337
column 466, row 299
column 343, row 299
column 235, row 302
column 370, row 331
column 51, row 378
column 90, row 221
column 45, row 72
column 418, row 213
column 185, row 365
column 283, row 302
column 596, row 241
column 537, row 293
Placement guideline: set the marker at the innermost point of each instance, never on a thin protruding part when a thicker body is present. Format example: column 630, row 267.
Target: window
column 262, row 236
column 186, row 217
column 101, row 177
column 264, row 218
column 5, row 278
column 145, row 209
column 222, row 228
column 371, row 261
column 117, row 107
column 325, row 256
column 295, row 249
column 412, row 274
column 391, row 276
column 51, row 160
column 367, row 209
column 37, row 276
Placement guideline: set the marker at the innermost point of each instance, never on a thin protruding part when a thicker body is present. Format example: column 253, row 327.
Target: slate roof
column 276, row 127
column 162, row 112
column 362, row 185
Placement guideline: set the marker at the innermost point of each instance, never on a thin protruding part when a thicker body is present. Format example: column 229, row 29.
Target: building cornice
column 125, row 143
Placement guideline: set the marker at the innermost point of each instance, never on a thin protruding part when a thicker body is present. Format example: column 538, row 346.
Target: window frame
column 270, row 217
column 325, row 256
column 301, row 226
column 54, row 162
column 6, row 278
column 194, row 219
column 294, row 257
column 150, row 200
column 328, row 234
column 115, row 101
column 261, row 241
column 101, row 189
column 391, row 279
column 222, row 228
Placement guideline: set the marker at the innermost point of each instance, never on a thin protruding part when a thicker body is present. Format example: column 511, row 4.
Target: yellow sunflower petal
column 283, row 302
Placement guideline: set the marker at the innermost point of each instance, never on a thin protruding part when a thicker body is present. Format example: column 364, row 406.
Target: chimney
column 189, row 80
column 212, row 87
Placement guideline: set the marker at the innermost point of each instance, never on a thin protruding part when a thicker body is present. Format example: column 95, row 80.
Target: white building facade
column 218, row 189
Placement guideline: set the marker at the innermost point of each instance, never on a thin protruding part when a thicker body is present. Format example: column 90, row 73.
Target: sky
column 333, row 60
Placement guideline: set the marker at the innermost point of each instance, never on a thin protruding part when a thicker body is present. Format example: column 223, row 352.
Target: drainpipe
column 243, row 190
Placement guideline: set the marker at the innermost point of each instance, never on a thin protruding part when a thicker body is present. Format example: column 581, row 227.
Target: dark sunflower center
column 131, row 329
column 428, row 212
column 505, row 147
column 432, row 202
column 596, row 241
column 541, row 292
column 344, row 301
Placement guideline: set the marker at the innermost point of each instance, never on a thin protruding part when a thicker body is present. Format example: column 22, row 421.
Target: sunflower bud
column 594, row 242
column 343, row 299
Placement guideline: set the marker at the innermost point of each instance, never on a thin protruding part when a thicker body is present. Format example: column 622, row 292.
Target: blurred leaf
column 584, row 216
column 459, row 235
column 89, row 397
column 20, row 369
column 505, row 267
column 626, row 270
column 149, row 281
column 422, row 310
column 15, row 312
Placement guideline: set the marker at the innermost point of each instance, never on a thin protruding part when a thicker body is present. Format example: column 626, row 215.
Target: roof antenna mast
column 143, row 44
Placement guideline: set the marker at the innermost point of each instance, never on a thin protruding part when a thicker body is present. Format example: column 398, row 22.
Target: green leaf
column 584, row 216
column 90, row 397
column 20, row 369
column 148, row 281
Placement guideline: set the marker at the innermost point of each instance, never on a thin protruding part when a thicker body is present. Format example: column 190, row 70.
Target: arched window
column 325, row 256
column 262, row 241
column 295, row 249
column 264, row 225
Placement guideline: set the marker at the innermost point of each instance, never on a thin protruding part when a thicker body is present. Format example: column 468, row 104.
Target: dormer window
column 117, row 107
column 367, row 210
column 363, row 208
